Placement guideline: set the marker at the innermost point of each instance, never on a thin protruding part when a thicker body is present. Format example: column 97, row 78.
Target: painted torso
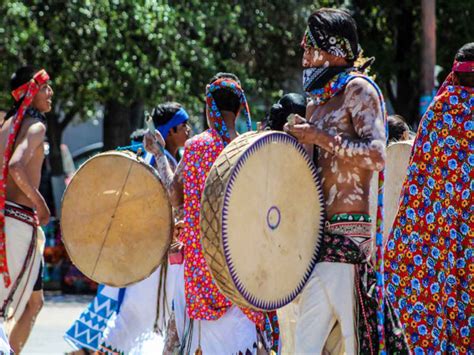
column 346, row 186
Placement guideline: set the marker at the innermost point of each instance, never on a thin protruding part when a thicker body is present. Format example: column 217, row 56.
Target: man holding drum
column 139, row 316
column 345, row 124
column 23, row 208
column 212, row 323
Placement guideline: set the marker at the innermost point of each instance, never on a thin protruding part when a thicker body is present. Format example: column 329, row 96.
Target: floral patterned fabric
column 338, row 248
column 429, row 262
column 203, row 299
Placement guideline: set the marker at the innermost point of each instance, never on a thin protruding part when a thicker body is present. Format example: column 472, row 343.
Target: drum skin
column 262, row 220
column 116, row 219
column 396, row 165
column 396, row 168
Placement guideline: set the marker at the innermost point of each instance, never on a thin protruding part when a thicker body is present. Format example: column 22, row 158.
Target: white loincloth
column 132, row 330
column 287, row 317
column 18, row 239
column 327, row 301
column 230, row 334
column 4, row 345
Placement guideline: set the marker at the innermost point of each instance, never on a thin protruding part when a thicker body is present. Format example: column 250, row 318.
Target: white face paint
column 332, row 195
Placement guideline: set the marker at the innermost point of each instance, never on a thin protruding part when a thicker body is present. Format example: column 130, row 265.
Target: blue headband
column 179, row 117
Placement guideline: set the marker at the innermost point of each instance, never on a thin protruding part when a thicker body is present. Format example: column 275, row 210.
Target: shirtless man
column 24, row 206
column 347, row 130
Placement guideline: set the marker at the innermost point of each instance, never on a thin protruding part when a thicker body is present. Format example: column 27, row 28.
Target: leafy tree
column 391, row 30
column 125, row 55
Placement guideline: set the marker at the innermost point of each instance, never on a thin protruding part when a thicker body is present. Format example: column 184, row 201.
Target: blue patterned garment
column 87, row 331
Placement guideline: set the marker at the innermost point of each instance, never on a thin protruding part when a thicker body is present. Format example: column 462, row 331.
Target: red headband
column 463, row 67
column 39, row 78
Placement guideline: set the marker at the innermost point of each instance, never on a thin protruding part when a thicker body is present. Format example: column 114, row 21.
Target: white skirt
column 230, row 334
column 18, row 239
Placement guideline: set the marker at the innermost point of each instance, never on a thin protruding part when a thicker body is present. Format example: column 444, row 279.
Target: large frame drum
column 396, row 168
column 116, row 219
column 262, row 220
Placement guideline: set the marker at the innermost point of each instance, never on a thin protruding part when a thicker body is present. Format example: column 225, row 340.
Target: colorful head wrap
column 333, row 44
column 26, row 92
column 215, row 116
column 450, row 82
column 463, row 67
column 179, row 117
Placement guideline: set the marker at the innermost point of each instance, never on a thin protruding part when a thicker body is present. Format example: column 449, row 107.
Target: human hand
column 43, row 213
column 303, row 131
column 178, row 228
column 154, row 143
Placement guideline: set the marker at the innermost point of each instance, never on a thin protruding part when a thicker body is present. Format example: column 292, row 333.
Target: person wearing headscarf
column 23, row 208
column 429, row 264
column 212, row 324
column 345, row 125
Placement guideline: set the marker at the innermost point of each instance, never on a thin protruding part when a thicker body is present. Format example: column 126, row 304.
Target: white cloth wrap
column 231, row 333
column 18, row 239
column 327, row 301
column 132, row 330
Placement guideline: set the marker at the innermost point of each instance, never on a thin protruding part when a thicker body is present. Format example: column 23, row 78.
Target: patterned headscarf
column 333, row 44
column 26, row 92
column 215, row 116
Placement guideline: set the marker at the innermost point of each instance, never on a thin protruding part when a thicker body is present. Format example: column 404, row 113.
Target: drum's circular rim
column 272, row 136
column 130, row 155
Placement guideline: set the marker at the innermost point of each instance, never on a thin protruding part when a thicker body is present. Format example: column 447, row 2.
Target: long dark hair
column 20, row 77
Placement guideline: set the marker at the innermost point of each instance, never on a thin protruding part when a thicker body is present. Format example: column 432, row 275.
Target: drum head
column 272, row 219
column 398, row 157
column 116, row 219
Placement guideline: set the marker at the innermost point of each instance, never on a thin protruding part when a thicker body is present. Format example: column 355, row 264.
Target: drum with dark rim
column 262, row 220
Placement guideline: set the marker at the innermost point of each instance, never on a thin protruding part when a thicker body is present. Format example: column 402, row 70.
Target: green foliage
column 151, row 51
column 391, row 31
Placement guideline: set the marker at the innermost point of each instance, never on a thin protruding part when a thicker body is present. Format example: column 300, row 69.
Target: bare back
column 356, row 117
column 32, row 162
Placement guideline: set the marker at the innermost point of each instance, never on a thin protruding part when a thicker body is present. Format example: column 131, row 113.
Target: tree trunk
column 57, row 177
column 136, row 115
column 407, row 92
column 117, row 127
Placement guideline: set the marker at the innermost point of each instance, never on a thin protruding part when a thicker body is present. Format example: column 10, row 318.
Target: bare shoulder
column 31, row 128
column 310, row 108
column 361, row 86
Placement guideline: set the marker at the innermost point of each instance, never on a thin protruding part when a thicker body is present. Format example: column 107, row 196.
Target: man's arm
column 22, row 155
column 173, row 181
column 367, row 151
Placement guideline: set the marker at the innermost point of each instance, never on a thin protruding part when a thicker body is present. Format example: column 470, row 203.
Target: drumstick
column 149, row 123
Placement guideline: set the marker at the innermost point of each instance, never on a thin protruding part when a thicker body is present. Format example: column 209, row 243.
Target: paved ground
column 56, row 317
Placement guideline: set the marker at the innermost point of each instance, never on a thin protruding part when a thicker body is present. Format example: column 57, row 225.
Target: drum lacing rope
column 164, row 304
column 187, row 339
column 199, row 350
